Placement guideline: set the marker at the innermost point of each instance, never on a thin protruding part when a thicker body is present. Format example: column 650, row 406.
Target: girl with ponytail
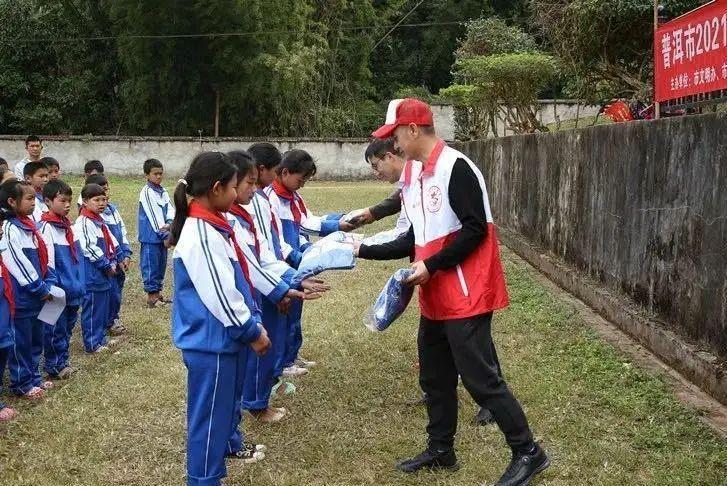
column 25, row 256
column 7, row 309
column 214, row 317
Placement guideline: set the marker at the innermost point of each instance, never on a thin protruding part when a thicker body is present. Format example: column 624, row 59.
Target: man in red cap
column 461, row 282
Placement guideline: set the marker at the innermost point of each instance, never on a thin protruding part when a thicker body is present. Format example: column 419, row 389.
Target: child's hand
column 165, row 228
column 314, row 285
column 125, row 264
column 111, row 272
column 284, row 305
column 168, row 242
column 262, row 344
column 47, row 297
column 344, row 226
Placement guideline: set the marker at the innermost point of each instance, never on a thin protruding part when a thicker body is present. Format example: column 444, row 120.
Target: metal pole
column 657, row 107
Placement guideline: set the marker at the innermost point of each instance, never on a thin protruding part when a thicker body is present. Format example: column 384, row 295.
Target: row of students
column 240, row 230
column 81, row 259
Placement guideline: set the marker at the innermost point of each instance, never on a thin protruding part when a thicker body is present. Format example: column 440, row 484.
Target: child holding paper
column 26, row 257
column 64, row 253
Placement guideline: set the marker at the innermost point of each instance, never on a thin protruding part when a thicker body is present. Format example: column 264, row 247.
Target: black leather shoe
column 484, row 417
column 523, row 467
column 430, row 459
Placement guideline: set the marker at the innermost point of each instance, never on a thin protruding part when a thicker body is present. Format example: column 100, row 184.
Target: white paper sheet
column 53, row 308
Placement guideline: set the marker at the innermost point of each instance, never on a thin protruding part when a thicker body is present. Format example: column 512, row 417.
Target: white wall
column 336, row 159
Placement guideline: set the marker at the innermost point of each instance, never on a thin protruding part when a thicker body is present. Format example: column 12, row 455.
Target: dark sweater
column 466, row 200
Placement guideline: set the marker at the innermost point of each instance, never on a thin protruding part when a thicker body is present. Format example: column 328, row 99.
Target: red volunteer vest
column 477, row 285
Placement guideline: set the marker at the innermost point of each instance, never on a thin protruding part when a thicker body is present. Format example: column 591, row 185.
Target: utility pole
column 217, row 113
column 657, row 107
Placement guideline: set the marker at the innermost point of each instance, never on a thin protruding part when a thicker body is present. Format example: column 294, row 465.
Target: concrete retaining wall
column 639, row 207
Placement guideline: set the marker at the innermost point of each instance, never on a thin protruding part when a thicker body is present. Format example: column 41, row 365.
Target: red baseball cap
column 404, row 112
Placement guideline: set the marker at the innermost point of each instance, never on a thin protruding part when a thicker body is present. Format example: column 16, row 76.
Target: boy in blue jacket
column 64, row 253
column 156, row 213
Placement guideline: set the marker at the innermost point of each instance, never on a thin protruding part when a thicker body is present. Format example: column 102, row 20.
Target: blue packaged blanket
column 391, row 303
column 333, row 252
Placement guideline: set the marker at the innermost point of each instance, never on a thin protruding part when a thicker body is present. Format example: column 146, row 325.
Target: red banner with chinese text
column 690, row 53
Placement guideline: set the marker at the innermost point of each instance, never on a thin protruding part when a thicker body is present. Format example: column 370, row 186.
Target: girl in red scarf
column 99, row 250
column 215, row 322
column 25, row 256
column 7, row 309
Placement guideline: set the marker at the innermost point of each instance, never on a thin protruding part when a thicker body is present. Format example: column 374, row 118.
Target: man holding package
column 461, row 282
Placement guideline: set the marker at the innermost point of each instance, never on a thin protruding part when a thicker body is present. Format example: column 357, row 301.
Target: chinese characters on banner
column 690, row 53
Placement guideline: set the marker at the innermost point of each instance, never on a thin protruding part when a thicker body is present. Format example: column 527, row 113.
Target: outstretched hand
column 262, row 344
column 314, row 285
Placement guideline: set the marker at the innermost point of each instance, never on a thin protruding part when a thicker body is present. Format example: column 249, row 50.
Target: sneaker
column 47, row 385
column 484, row 417
column 417, row 402
column 112, row 342
column 65, row 373
column 250, row 453
column 294, row 371
column 269, row 415
column 117, row 329
column 302, row 363
column 282, row 388
column 523, row 467
column 100, row 349
column 7, row 413
column 430, row 459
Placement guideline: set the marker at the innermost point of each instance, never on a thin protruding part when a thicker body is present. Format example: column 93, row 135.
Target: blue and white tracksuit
column 70, row 275
column 155, row 212
column 6, row 340
column 214, row 317
column 296, row 235
column 270, row 278
column 96, row 312
column 115, row 222
column 40, row 208
column 20, row 254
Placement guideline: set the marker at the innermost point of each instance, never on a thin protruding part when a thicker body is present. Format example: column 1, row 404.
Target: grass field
column 120, row 419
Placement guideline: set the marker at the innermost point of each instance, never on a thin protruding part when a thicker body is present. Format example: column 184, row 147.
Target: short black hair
column 32, row 138
column 55, row 188
column 298, row 162
column 150, row 164
column 3, row 162
column 265, row 154
column 379, row 147
column 92, row 190
column 99, row 179
column 32, row 167
column 92, row 165
column 243, row 162
column 50, row 162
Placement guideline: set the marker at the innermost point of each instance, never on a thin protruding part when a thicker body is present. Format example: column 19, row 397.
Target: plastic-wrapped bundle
column 334, row 252
column 391, row 303
column 384, row 236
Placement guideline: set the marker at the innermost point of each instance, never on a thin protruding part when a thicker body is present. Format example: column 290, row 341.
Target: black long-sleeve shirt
column 388, row 207
column 466, row 200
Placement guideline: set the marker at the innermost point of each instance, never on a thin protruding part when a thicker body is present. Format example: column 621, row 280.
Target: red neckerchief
column 29, row 225
column 110, row 247
column 273, row 221
column 196, row 210
column 296, row 202
column 238, row 210
column 65, row 223
column 428, row 166
column 7, row 287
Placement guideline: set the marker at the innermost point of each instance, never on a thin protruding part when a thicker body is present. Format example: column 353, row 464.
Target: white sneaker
column 294, row 371
column 302, row 363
